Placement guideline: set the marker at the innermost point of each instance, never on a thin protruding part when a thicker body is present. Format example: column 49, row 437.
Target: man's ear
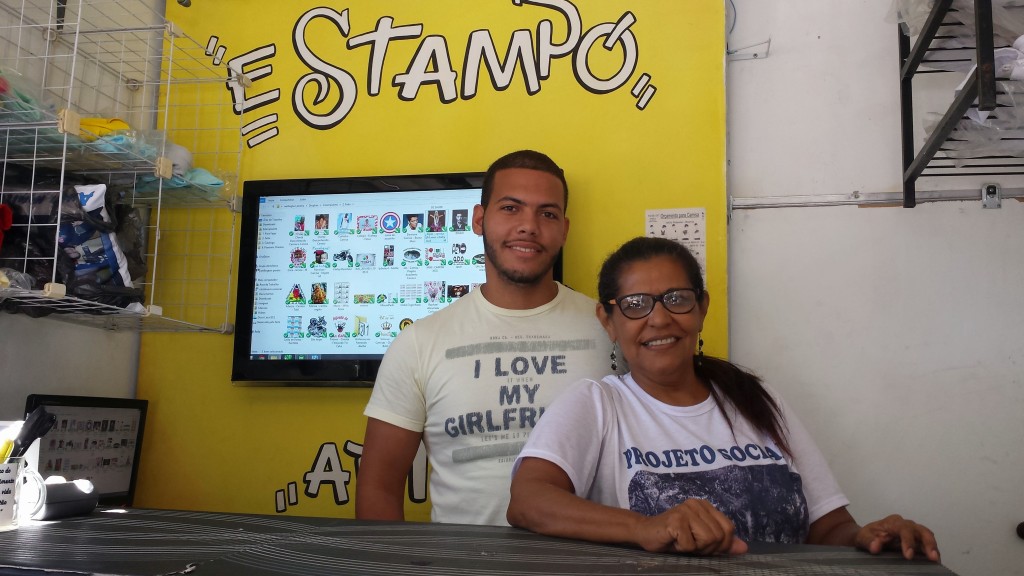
column 478, row 220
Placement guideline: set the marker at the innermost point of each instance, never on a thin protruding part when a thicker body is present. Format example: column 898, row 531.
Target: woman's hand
column 897, row 533
column 694, row 527
column 543, row 500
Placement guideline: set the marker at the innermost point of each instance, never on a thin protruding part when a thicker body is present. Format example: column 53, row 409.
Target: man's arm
column 388, row 453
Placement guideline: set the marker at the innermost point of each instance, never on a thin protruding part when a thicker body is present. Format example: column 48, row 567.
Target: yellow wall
column 212, row 445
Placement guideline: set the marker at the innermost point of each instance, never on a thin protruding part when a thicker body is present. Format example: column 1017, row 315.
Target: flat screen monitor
column 95, row 438
column 332, row 269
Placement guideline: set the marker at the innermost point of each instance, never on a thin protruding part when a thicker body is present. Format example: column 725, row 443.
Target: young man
column 471, row 380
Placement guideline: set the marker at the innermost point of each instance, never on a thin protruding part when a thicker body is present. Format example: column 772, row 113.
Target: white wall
column 44, row 356
column 895, row 333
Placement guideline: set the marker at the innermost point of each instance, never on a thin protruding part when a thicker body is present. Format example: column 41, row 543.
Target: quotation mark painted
column 293, row 497
column 327, row 470
column 257, row 124
column 643, row 90
column 216, row 51
column 240, row 79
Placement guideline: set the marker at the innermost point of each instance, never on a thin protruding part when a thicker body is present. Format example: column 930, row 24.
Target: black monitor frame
column 54, row 404
column 359, row 372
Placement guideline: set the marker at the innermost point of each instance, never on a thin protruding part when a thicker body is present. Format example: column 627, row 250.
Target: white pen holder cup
column 15, row 476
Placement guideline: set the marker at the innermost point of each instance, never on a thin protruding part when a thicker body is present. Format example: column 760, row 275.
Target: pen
column 36, row 425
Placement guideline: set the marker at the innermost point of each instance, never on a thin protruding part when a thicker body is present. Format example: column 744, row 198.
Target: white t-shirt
column 621, row 447
column 475, row 378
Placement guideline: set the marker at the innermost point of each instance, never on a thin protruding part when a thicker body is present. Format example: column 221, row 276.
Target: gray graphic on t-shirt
column 517, row 367
column 521, row 346
column 766, row 503
column 503, row 450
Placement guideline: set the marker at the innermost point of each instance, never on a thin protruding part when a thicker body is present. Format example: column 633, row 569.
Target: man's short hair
column 529, row 159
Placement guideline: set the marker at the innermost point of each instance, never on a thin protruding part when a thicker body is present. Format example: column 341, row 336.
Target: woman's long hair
column 740, row 388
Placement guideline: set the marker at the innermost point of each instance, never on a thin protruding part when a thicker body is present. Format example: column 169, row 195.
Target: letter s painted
column 322, row 75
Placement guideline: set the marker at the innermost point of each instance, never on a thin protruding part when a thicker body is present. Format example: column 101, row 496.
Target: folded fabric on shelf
column 196, row 177
column 203, row 177
column 93, row 128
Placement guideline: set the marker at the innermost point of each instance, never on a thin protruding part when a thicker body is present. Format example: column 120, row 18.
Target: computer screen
column 332, row 269
column 95, row 438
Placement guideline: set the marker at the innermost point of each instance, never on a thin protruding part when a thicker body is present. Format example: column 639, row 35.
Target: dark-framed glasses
column 676, row 301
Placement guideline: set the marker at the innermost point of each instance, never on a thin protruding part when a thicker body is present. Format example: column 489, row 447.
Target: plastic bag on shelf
column 89, row 241
column 125, row 146
column 131, row 233
column 11, row 278
column 183, row 173
column 34, row 200
column 83, row 253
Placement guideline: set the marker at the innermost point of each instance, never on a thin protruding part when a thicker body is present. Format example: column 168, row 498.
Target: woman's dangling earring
column 700, row 351
column 615, row 365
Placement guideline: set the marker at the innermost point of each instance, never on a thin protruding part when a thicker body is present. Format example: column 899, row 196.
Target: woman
column 685, row 453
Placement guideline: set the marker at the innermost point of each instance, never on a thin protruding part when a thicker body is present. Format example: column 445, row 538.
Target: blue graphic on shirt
column 766, row 503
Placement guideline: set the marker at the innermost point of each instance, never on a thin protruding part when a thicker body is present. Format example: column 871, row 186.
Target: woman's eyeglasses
column 676, row 301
